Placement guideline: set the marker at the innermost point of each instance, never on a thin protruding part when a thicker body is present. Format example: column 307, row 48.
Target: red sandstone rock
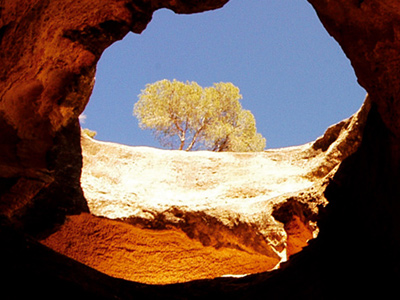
column 49, row 50
column 150, row 256
column 368, row 32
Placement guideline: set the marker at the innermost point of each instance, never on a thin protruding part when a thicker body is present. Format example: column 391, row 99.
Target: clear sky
column 293, row 76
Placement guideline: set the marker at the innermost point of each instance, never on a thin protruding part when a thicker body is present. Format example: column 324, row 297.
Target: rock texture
column 151, row 256
column 368, row 32
column 265, row 203
column 220, row 199
column 199, row 215
column 191, row 215
column 48, row 54
column 47, row 66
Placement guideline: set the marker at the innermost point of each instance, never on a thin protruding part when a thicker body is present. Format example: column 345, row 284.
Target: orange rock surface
column 48, row 55
column 149, row 256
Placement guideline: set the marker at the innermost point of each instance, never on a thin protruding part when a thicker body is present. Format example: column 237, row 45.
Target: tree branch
column 196, row 135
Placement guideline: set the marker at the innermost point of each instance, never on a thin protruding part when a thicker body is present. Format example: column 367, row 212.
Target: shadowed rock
column 49, row 50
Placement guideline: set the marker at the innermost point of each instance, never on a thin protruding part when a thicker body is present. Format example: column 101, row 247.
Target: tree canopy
column 187, row 116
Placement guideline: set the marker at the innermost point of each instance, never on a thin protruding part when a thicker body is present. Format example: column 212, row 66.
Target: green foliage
column 185, row 115
column 89, row 133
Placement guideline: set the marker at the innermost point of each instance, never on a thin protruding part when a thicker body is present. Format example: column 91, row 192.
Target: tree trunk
column 193, row 140
column 196, row 135
column 182, row 142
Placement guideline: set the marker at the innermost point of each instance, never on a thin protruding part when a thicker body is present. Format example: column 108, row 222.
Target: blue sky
column 293, row 76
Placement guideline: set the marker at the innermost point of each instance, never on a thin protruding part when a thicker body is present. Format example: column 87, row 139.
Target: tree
column 185, row 115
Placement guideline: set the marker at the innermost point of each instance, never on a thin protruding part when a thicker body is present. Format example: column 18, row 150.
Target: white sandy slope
column 120, row 181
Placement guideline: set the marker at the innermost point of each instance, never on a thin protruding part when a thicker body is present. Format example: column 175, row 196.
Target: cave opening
column 293, row 76
column 280, row 80
column 49, row 60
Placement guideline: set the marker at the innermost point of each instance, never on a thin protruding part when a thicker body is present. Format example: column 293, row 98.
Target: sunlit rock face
column 241, row 213
column 197, row 215
column 49, row 50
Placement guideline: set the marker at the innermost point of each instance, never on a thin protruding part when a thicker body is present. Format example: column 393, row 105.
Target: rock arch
column 49, row 50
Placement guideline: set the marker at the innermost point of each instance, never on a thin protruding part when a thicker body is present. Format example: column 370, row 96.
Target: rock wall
column 264, row 202
column 368, row 32
column 49, row 50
